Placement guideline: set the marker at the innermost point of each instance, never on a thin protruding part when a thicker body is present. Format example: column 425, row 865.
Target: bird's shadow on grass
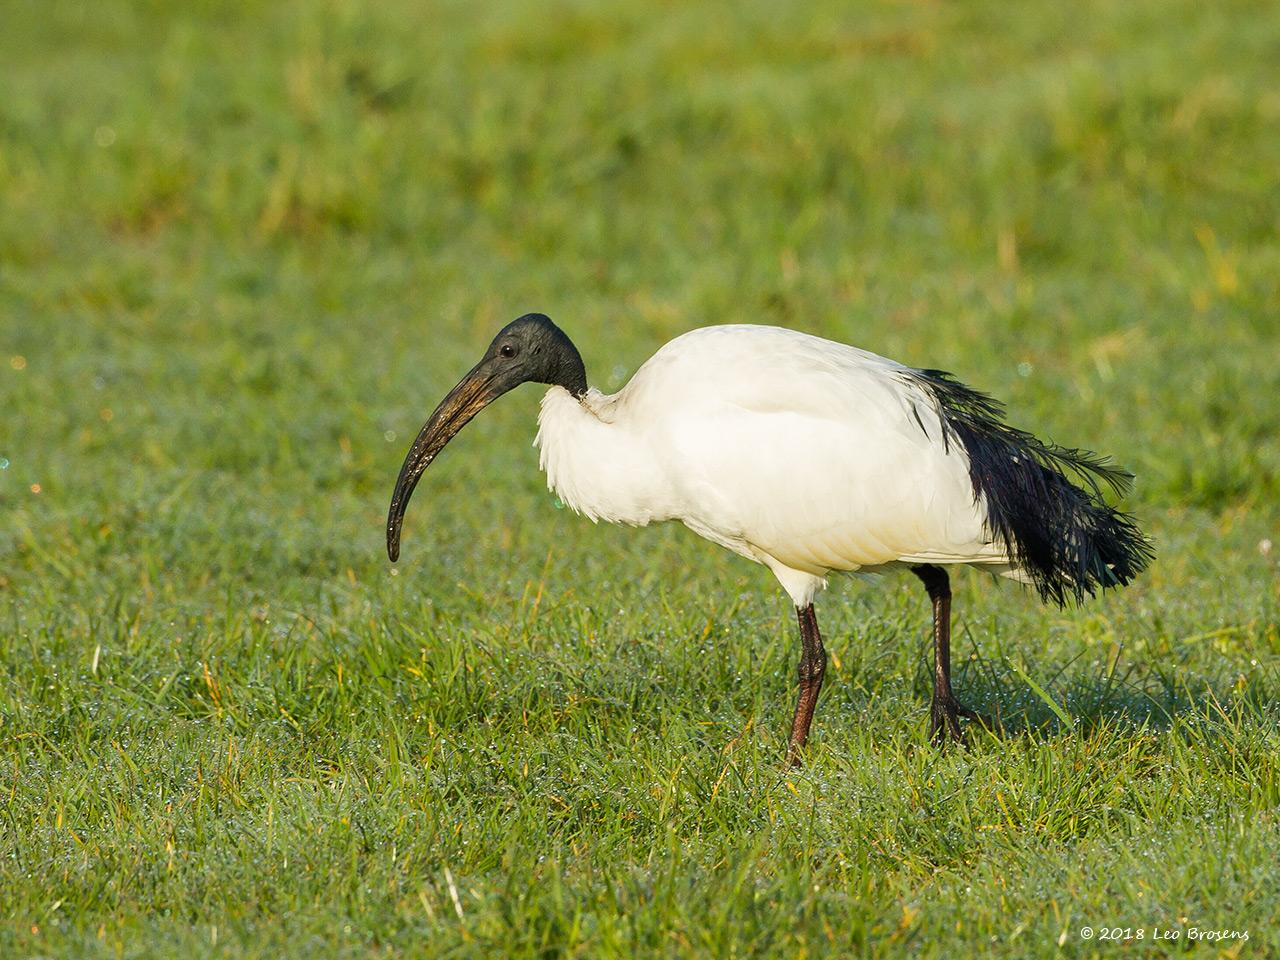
column 1014, row 703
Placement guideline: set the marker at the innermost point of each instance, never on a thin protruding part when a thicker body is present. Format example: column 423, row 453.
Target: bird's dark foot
column 944, row 721
column 795, row 754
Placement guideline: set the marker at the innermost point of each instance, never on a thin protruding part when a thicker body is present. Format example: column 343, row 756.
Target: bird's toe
column 944, row 723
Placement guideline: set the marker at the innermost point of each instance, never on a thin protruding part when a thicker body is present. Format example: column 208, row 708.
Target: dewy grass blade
column 1043, row 695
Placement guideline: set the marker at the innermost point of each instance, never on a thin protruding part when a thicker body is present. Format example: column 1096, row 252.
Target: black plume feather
column 1063, row 535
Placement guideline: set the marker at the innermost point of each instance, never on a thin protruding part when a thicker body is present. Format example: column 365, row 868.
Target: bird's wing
column 820, row 456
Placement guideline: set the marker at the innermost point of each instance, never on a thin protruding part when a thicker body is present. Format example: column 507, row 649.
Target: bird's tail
column 1061, row 534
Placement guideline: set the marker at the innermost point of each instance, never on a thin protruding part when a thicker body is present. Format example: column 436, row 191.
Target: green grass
column 244, row 249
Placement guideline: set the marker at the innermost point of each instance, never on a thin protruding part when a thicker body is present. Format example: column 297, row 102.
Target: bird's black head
column 531, row 349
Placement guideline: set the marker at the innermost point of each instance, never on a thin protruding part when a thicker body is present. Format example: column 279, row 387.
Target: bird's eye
column 507, row 350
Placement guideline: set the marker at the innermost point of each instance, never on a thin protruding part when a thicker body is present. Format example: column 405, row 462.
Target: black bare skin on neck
column 532, row 349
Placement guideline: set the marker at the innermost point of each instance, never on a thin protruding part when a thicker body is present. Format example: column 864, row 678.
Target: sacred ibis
column 810, row 457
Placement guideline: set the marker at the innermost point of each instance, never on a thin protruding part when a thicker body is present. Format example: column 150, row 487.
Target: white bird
column 810, row 457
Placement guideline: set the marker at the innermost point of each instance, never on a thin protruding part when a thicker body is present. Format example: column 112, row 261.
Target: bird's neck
column 597, row 462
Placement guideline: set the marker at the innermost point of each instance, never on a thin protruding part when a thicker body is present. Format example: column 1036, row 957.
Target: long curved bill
column 472, row 394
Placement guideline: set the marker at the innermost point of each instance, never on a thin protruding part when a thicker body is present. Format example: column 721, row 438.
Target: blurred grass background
column 244, row 249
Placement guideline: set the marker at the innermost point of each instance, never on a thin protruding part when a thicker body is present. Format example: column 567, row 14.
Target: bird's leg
column 813, row 665
column 944, row 711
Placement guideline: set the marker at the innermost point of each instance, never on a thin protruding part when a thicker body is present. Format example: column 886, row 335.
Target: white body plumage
column 800, row 453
